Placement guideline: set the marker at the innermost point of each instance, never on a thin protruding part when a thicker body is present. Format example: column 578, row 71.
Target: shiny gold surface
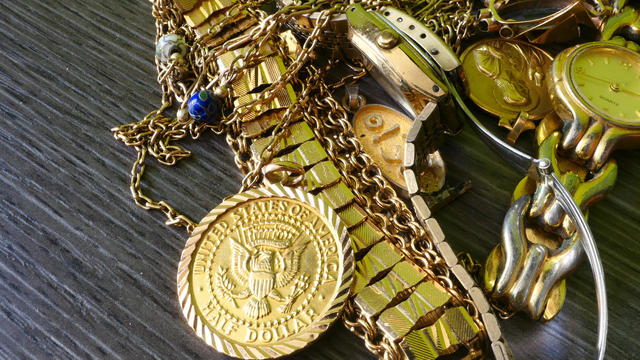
column 506, row 78
column 265, row 272
column 286, row 140
column 200, row 13
column 595, row 91
column 607, row 80
column 186, row 5
column 382, row 132
column 401, row 70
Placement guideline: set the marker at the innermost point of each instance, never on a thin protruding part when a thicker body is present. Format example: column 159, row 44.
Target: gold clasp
column 286, row 173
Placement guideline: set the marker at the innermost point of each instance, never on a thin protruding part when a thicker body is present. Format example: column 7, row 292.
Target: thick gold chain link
column 330, row 122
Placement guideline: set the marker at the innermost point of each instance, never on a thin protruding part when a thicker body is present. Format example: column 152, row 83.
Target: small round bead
column 205, row 107
column 170, row 44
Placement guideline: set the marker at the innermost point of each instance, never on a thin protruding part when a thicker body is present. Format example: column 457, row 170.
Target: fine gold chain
column 382, row 204
column 156, row 135
column 453, row 20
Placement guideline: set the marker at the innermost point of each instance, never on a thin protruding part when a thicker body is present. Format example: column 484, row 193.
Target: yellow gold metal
column 265, row 103
column 371, row 301
column 388, row 291
column 418, row 344
column 322, row 175
column 265, row 272
column 461, row 323
column 186, row 5
column 507, row 79
column 352, row 215
column 364, row 236
column 282, row 99
column 204, row 10
column 338, row 195
column 399, row 291
column 285, row 173
column 260, row 125
column 382, row 131
column 379, row 259
column 595, row 91
column 526, row 271
column 592, row 94
column 296, row 134
column 307, row 154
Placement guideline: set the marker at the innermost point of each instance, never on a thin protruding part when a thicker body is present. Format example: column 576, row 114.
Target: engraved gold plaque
column 265, row 272
column 382, row 131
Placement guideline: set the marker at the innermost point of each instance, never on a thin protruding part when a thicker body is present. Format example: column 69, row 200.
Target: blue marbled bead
column 204, row 106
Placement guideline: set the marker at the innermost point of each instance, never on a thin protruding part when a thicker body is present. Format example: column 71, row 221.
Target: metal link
column 391, row 214
column 316, row 105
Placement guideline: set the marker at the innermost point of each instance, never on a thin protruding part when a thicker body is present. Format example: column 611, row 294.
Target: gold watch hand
column 609, row 82
column 629, row 92
column 589, row 76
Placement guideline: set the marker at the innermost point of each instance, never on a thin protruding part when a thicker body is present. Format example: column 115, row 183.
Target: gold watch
column 595, row 90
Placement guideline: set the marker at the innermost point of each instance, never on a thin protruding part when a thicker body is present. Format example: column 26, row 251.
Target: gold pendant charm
column 265, row 272
column 382, row 131
column 507, row 79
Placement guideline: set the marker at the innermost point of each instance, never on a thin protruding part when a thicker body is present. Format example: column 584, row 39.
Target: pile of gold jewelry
column 333, row 217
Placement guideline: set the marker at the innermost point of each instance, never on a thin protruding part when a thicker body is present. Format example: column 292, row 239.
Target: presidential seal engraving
column 265, row 259
column 265, row 272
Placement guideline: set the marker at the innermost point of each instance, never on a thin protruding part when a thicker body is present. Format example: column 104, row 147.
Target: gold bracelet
column 408, row 298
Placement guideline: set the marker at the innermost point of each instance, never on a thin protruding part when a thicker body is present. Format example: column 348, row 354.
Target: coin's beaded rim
column 309, row 334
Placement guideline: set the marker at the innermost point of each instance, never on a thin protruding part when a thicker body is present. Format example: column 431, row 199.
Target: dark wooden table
column 86, row 274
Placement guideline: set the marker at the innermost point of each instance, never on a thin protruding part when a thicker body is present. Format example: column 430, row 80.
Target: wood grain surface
column 86, row 274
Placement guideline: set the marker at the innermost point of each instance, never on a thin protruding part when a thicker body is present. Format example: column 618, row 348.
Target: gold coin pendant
column 265, row 272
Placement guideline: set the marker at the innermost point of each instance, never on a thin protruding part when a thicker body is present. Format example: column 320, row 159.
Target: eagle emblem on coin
column 265, row 272
column 264, row 260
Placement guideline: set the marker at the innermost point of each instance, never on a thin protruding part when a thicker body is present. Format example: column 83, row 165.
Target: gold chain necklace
column 247, row 32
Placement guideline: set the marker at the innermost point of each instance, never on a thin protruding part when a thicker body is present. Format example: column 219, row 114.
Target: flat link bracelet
column 415, row 144
column 386, row 286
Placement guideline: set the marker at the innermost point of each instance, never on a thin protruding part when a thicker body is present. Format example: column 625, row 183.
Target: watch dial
column 607, row 79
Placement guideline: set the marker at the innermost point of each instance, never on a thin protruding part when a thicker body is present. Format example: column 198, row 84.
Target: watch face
column 606, row 78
